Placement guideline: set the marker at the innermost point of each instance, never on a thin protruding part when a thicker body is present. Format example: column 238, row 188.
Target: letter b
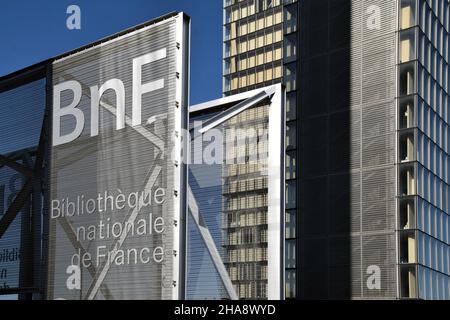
column 59, row 112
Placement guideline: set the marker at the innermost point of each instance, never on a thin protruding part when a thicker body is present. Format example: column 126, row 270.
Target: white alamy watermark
column 374, row 277
column 373, row 13
column 73, row 21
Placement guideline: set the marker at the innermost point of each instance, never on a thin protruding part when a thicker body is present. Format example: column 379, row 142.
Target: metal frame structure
column 276, row 189
column 32, row 165
column 35, row 191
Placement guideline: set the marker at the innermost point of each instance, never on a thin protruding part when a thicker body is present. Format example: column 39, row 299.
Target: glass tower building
column 423, row 138
column 367, row 102
column 260, row 49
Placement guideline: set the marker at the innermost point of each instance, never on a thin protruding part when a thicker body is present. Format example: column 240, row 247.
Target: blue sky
column 32, row 31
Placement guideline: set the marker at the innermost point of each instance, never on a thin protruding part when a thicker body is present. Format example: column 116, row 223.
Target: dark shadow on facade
column 326, row 160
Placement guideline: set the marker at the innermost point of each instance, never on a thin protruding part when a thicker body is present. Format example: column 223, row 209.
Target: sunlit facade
column 260, row 48
column 423, row 137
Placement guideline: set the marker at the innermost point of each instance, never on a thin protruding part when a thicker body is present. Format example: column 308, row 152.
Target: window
column 290, row 224
column 291, row 286
column 235, row 15
column 278, row 53
column 291, row 132
column 226, row 67
column 243, row 63
column 269, row 37
column 260, row 40
column 278, row 35
column 252, row 26
column 408, row 13
column 277, row 73
column 269, row 55
column 260, row 58
column 291, row 106
column 291, row 165
column 233, row 64
column 244, row 11
column 290, row 18
column 243, row 29
column 290, row 47
column 269, row 20
column 407, row 85
column 251, row 61
column 251, row 79
column 290, row 76
column 290, row 254
column 407, row 45
column 291, row 190
column 243, row 46
column 251, row 43
column 243, row 81
column 278, row 16
column 269, row 74
column 260, row 76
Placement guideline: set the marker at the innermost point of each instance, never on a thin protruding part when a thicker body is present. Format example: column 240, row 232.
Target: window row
column 430, row 50
column 436, row 67
column 433, row 59
column 253, row 59
column 433, row 221
column 433, row 253
column 253, row 76
column 246, row 202
column 433, row 158
column 247, row 26
column 291, row 135
column 247, row 255
column 434, row 15
column 261, row 3
column 432, row 188
column 433, row 125
column 246, row 185
column 250, row 8
column 254, row 41
column 245, row 168
column 291, row 106
column 433, row 285
column 247, row 272
column 260, row 112
column 244, row 219
column 246, row 236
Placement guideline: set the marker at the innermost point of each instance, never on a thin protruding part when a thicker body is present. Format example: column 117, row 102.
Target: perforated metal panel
column 132, row 247
column 348, row 148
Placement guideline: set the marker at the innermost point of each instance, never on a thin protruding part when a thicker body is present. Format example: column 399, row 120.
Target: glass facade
column 253, row 44
column 22, row 109
column 424, row 130
column 232, row 196
column 261, row 48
